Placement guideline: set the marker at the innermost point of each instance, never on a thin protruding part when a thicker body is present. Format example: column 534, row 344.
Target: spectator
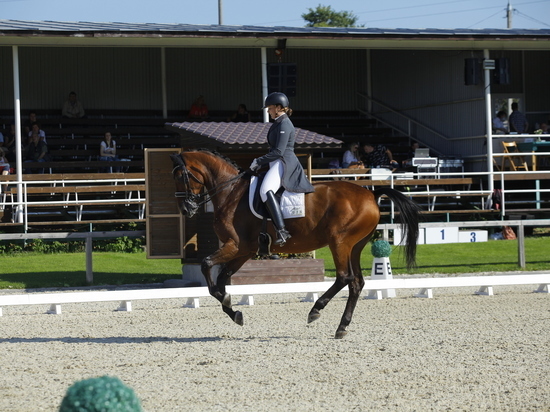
column 27, row 125
column 199, row 109
column 36, row 151
column 499, row 127
column 378, row 156
column 351, row 156
column 36, row 129
column 9, row 144
column 72, row 108
column 412, row 150
column 517, row 120
column 4, row 167
column 107, row 150
column 241, row 115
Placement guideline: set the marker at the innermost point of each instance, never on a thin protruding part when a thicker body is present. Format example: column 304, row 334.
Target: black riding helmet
column 276, row 98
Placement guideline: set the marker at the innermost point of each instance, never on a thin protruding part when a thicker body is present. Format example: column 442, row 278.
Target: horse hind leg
column 315, row 312
column 355, row 287
column 343, row 269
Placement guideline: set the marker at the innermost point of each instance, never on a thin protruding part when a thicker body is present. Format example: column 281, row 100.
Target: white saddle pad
column 292, row 204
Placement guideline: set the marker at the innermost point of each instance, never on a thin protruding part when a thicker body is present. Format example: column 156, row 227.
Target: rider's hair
column 288, row 111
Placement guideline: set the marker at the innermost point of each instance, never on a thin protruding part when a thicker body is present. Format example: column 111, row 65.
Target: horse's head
column 188, row 186
column 200, row 169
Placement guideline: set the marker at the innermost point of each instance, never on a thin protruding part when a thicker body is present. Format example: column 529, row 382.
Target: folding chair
column 512, row 147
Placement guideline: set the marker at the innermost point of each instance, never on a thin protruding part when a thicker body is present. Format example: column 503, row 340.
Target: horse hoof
column 238, row 318
column 226, row 300
column 340, row 334
column 313, row 315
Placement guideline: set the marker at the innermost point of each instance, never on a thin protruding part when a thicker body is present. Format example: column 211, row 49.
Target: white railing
column 373, row 290
column 431, row 185
column 439, row 187
column 20, row 204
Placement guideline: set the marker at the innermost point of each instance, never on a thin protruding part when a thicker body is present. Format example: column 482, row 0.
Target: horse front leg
column 228, row 270
column 224, row 257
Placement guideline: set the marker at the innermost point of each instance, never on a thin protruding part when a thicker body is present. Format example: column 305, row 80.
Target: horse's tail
column 409, row 217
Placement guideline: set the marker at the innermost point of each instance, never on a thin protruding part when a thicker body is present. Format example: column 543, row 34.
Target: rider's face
column 272, row 110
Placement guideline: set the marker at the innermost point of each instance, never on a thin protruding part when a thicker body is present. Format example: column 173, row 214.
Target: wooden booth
column 173, row 236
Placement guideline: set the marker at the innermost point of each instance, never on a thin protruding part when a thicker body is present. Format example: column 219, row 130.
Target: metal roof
column 80, row 26
column 80, row 34
column 238, row 135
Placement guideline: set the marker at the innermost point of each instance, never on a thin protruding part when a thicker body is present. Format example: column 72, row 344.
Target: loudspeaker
column 501, row 74
column 472, row 71
column 282, row 77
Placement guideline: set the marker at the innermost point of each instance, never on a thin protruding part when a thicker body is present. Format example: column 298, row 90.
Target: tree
column 325, row 16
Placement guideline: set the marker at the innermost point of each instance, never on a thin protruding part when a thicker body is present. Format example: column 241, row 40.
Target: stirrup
column 282, row 237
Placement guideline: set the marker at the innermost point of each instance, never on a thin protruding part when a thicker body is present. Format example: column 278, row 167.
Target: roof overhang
column 84, row 34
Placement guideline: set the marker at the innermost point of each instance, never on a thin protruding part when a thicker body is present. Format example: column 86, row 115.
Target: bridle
column 194, row 201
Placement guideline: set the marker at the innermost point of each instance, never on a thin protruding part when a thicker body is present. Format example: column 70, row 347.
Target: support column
column 489, row 123
column 17, row 117
column 264, row 82
column 163, row 80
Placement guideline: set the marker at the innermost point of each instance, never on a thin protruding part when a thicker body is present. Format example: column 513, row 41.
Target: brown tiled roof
column 243, row 134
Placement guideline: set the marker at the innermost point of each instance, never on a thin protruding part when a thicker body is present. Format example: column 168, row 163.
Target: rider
column 284, row 168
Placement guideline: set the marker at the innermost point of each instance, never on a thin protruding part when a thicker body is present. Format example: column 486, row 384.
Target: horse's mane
column 219, row 155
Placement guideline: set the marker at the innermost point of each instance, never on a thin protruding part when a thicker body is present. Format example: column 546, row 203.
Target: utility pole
column 508, row 14
column 220, row 12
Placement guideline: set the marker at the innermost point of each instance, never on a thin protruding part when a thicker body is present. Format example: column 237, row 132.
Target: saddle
column 292, row 206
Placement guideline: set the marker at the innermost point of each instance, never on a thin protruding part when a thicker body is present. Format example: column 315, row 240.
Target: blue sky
column 446, row 14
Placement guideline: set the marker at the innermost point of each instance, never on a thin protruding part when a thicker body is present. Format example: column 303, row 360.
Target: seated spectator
column 499, row 127
column 240, row 116
column 36, row 151
column 199, row 109
column 351, row 156
column 544, row 128
column 27, row 125
column 107, row 153
column 408, row 161
column 72, row 108
column 9, row 144
column 4, row 167
column 378, row 156
column 36, row 129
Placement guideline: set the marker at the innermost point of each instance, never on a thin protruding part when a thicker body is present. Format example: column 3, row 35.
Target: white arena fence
column 373, row 290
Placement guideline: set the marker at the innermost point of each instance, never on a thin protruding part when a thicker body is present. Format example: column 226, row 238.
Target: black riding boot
column 274, row 210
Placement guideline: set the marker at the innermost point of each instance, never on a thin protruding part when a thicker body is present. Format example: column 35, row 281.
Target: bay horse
column 339, row 214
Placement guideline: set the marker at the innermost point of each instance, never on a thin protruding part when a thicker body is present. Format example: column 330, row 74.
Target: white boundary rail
column 373, row 287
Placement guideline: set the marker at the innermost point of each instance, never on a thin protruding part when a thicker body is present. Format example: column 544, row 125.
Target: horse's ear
column 177, row 160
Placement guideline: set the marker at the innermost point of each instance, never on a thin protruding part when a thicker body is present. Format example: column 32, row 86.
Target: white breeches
column 273, row 179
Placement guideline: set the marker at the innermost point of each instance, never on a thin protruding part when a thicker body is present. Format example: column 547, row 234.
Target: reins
column 205, row 197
